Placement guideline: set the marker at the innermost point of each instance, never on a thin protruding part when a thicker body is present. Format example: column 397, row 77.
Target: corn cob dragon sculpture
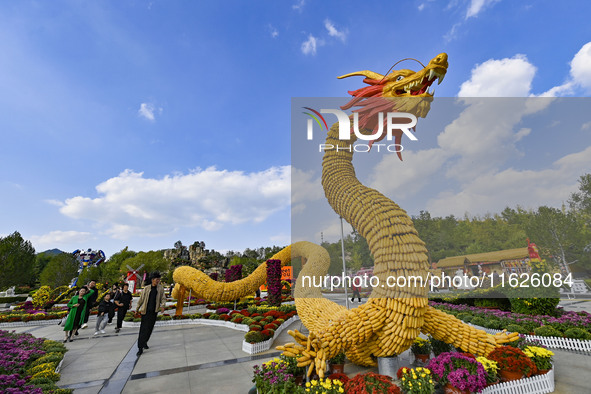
column 393, row 316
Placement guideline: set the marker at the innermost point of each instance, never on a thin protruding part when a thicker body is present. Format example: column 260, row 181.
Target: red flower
column 339, row 376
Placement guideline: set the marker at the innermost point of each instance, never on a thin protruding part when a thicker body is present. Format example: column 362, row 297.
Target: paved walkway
column 208, row 359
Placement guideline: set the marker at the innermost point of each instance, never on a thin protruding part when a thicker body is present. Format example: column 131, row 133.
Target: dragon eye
column 399, row 78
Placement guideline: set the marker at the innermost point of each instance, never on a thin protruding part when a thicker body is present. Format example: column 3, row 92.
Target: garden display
column 28, row 364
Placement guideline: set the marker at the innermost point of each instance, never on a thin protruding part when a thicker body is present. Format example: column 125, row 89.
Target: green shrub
column 54, row 357
column 253, row 337
column 439, row 346
column 40, row 381
column 547, row 331
column 535, row 306
column 498, row 303
column 257, row 318
column 196, row 316
column 495, row 324
column 478, row 321
column 128, row 318
column 466, row 317
column 214, row 316
column 516, row 328
column 13, row 299
column 165, row 317
column 577, row 333
column 53, row 347
column 530, row 326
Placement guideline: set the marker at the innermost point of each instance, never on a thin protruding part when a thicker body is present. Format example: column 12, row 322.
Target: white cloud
column 580, row 67
column 57, row 238
column 309, row 46
column 333, row 32
column 148, row 111
column 494, row 191
column 411, row 176
column 476, row 6
column 586, row 126
column 579, row 77
column 332, row 232
column 306, row 186
column 508, row 77
column 421, row 6
column 130, row 204
column 299, row 5
column 273, row 31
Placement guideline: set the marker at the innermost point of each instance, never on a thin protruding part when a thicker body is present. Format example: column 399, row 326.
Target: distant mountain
column 52, row 252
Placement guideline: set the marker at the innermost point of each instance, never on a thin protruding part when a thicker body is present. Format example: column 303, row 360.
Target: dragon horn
column 365, row 73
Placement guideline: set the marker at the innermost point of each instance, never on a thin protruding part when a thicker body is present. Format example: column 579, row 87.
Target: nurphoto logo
column 401, row 121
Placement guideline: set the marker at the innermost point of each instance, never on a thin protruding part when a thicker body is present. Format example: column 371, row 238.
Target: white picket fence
column 253, row 348
column 207, row 322
column 551, row 342
column 539, row 384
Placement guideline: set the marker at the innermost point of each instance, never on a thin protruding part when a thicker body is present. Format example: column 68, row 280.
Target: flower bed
column 29, row 364
column 551, row 342
column 253, row 348
column 576, row 325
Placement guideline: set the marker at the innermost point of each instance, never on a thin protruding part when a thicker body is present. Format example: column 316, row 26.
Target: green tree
column 17, row 260
column 88, row 274
column 59, row 271
column 152, row 261
column 559, row 234
column 41, row 261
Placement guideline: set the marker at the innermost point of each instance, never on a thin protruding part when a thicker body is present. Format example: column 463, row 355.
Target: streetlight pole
column 344, row 267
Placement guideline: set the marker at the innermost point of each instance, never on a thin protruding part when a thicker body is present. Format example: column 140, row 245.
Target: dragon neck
column 389, row 231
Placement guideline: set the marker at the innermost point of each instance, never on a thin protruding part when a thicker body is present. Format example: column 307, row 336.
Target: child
column 103, row 314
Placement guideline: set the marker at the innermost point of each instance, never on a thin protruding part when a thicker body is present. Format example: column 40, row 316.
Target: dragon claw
column 309, row 352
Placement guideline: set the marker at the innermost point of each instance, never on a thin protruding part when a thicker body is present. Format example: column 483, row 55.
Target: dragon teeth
column 441, row 76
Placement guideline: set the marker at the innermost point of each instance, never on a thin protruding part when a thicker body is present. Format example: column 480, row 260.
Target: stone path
column 208, row 359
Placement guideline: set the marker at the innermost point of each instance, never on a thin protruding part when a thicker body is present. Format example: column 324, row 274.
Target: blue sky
column 142, row 123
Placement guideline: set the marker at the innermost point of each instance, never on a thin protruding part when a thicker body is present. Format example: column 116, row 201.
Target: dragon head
column 399, row 91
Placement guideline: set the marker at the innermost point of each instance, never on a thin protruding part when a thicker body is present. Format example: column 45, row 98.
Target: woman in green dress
column 76, row 316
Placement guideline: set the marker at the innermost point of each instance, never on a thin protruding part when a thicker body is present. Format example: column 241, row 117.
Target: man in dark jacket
column 151, row 300
column 90, row 301
column 123, row 302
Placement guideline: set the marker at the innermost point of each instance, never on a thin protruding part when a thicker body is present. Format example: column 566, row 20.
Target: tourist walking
column 103, row 314
column 90, row 301
column 77, row 306
column 114, row 291
column 152, row 298
column 123, row 301
column 356, row 292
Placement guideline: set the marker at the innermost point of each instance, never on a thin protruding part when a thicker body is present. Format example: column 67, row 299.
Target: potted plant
column 272, row 378
column 369, row 383
column 439, row 347
column 513, row 363
column 492, row 370
column 421, row 348
column 291, row 367
column 458, row 373
column 541, row 357
column 324, row 386
column 416, row 381
column 337, row 363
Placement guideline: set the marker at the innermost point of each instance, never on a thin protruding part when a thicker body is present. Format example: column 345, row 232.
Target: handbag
column 62, row 322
